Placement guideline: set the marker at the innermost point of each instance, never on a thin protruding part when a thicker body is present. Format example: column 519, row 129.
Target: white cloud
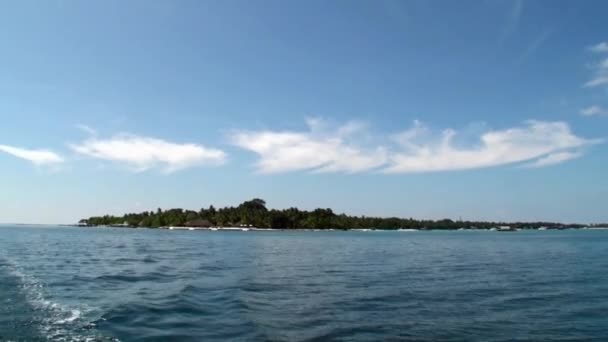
column 37, row 157
column 413, row 150
column 555, row 158
column 513, row 18
column 600, row 76
column 407, row 137
column 316, row 150
column 594, row 111
column 535, row 44
column 535, row 140
column 86, row 129
column 600, row 47
column 143, row 153
column 597, row 80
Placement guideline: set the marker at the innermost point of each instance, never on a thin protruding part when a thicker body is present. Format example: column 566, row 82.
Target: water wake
column 50, row 319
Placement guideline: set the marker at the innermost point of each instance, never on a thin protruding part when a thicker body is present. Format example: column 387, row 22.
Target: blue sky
column 428, row 109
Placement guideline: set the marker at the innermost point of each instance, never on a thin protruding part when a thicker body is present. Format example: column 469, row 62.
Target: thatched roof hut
column 199, row 223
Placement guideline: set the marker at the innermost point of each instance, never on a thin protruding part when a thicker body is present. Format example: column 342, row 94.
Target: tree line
column 254, row 213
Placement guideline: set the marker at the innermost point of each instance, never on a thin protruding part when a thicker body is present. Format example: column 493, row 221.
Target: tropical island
column 255, row 214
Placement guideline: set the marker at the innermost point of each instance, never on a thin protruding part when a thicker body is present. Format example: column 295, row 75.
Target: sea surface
column 112, row 284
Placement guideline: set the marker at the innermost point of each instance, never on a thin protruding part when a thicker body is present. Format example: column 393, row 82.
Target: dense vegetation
column 255, row 213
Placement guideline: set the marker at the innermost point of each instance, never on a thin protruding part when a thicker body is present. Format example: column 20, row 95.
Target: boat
column 506, row 229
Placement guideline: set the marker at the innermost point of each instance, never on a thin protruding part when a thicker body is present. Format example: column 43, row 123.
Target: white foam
column 74, row 315
column 55, row 318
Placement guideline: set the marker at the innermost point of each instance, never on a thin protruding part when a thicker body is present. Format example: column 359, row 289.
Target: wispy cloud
column 86, row 129
column 554, row 158
column 535, row 44
column 414, row 150
column 314, row 149
column 513, row 18
column 599, row 47
column 594, row 111
column 37, row 157
column 599, row 79
column 144, row 153
column 600, row 70
column 534, row 140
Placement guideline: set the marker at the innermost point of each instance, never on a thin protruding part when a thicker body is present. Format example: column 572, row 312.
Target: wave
column 51, row 319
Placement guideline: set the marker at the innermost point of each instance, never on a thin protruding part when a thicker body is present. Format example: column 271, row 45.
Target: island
column 254, row 214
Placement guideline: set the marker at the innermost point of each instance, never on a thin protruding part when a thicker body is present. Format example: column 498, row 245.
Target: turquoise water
column 79, row 284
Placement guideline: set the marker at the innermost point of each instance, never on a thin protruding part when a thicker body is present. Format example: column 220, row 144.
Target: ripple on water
column 163, row 286
column 44, row 319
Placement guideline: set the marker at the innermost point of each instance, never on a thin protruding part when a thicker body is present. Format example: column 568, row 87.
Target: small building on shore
column 198, row 223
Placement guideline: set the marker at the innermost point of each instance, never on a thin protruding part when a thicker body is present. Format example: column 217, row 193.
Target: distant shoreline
column 254, row 229
column 254, row 214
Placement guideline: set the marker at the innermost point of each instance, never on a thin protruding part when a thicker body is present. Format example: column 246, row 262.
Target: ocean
column 113, row 284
